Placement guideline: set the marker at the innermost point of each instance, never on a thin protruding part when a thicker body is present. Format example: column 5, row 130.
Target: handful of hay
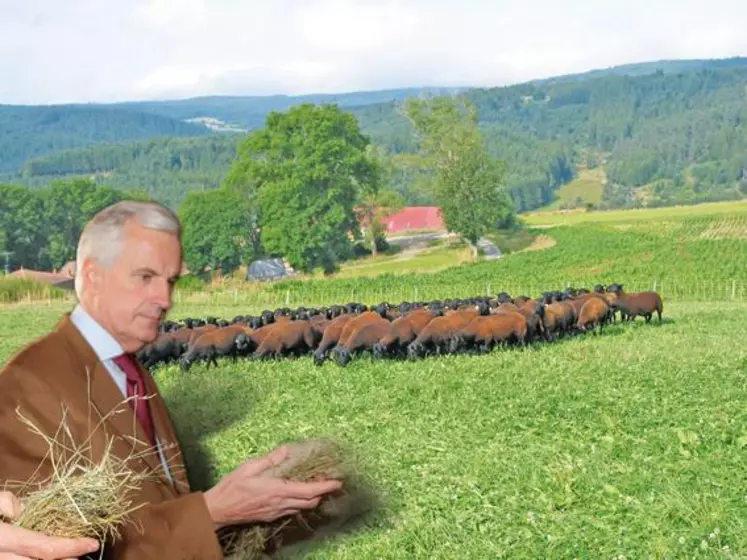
column 82, row 497
column 309, row 460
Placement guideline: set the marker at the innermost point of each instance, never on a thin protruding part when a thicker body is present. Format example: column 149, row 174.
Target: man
column 128, row 259
column 17, row 543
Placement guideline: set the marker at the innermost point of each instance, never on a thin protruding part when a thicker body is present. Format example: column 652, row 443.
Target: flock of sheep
column 409, row 330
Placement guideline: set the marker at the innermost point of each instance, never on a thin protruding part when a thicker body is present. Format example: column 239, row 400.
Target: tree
column 372, row 210
column 216, row 230
column 302, row 175
column 22, row 231
column 68, row 205
column 470, row 185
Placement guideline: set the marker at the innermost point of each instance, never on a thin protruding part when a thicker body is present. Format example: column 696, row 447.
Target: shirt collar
column 102, row 342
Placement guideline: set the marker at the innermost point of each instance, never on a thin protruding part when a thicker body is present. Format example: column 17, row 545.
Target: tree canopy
column 470, row 184
column 302, row 175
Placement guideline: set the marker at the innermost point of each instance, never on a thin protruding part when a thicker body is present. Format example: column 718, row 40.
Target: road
column 490, row 250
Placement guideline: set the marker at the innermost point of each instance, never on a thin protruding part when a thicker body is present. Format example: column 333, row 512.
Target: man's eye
column 146, row 277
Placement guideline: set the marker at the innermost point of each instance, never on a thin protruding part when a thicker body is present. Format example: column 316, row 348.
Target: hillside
column 250, row 112
column 661, row 133
column 681, row 136
column 27, row 132
column 166, row 168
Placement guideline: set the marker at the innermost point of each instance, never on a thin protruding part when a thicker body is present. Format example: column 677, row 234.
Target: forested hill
column 30, row 131
column 662, row 138
column 250, row 112
column 672, row 132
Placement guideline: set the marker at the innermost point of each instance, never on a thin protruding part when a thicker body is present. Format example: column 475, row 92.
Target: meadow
column 626, row 445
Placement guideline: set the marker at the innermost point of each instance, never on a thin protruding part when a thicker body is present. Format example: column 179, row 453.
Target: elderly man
column 128, row 259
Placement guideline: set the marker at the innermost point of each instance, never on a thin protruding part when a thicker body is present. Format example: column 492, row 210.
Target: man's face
column 132, row 296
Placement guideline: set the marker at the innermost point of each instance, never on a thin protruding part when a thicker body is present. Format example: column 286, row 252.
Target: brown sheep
column 505, row 307
column 331, row 337
column 558, row 318
column 196, row 332
column 363, row 338
column 642, row 304
column 483, row 333
column 578, row 303
column 436, row 335
column 594, row 312
column 248, row 342
column 357, row 321
column 213, row 343
column 403, row 331
column 534, row 314
column 288, row 337
column 164, row 349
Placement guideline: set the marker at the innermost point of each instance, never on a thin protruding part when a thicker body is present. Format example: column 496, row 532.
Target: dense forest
column 27, row 132
column 668, row 132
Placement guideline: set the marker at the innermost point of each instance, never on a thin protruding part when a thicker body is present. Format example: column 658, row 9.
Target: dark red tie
column 136, row 388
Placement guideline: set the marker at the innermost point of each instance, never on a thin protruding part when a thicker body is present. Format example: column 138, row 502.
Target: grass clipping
column 309, row 460
column 82, row 497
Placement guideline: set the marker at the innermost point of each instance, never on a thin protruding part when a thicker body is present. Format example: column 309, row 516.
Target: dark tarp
column 268, row 269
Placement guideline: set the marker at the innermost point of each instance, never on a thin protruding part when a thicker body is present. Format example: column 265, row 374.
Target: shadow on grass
column 200, row 406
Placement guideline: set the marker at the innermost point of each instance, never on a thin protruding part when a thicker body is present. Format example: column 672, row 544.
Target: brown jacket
column 62, row 370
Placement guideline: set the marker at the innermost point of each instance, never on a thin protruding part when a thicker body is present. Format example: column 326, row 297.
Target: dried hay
column 309, row 460
column 82, row 497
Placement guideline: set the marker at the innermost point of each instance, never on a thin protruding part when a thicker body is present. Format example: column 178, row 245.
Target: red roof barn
column 414, row 218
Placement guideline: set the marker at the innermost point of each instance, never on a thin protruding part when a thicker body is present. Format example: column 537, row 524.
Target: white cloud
column 105, row 50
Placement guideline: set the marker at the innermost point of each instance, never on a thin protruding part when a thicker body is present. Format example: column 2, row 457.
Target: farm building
column 414, row 218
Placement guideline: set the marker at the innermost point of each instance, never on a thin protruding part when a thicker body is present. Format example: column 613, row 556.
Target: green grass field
column 691, row 253
column 626, row 444
column 573, row 217
column 587, row 187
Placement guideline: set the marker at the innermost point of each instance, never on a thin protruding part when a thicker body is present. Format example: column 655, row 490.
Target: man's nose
column 161, row 295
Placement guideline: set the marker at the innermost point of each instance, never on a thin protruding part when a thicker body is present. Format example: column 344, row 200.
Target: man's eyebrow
column 145, row 270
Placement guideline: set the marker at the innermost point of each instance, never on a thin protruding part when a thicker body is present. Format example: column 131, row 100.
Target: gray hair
column 102, row 237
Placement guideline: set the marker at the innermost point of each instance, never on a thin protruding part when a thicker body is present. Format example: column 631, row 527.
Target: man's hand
column 21, row 544
column 244, row 496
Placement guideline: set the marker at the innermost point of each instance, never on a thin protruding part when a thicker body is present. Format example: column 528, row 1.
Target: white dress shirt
column 107, row 348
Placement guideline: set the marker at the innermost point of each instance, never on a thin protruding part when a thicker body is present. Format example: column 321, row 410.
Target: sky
column 64, row 51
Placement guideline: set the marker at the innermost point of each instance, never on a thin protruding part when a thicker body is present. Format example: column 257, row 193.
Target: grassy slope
column 427, row 260
column 626, row 444
column 587, row 186
column 687, row 253
column 574, row 217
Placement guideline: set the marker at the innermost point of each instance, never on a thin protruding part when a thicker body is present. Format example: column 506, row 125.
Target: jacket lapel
column 108, row 409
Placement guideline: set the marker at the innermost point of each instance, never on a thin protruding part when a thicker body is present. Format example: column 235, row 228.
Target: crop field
column 629, row 444
column 691, row 254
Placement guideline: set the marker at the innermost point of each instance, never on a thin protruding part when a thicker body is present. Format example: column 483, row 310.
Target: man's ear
column 93, row 275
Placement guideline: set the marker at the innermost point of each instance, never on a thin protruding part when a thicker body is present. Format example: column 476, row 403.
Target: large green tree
column 22, row 230
column 302, row 175
column 216, row 230
column 68, row 205
column 470, row 184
